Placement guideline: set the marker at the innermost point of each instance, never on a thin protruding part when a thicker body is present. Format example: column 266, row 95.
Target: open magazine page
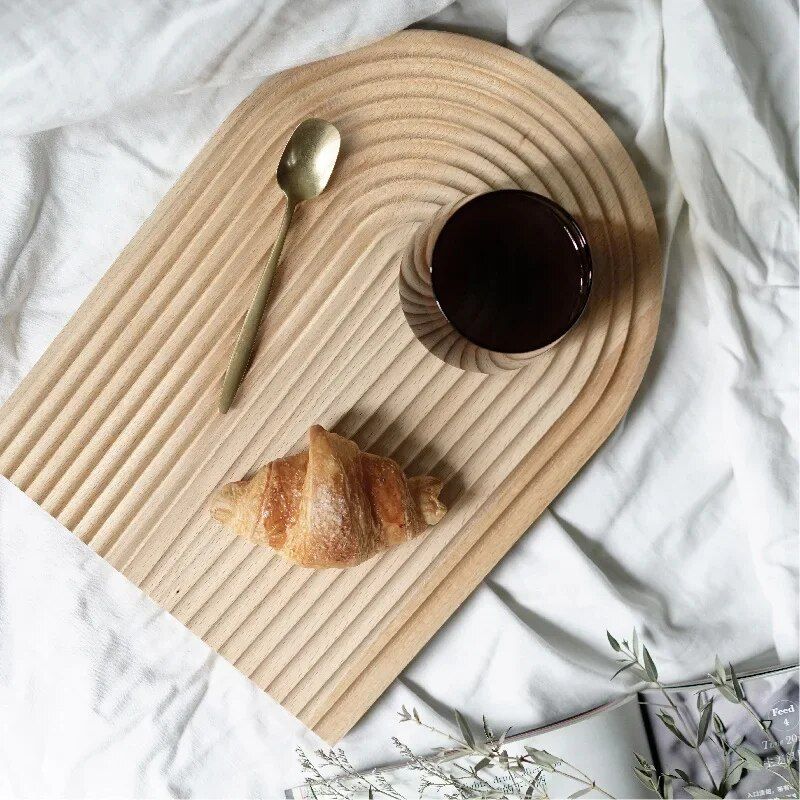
column 602, row 746
column 774, row 696
column 600, row 742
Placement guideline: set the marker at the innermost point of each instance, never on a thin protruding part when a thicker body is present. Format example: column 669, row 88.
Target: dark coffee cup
column 495, row 279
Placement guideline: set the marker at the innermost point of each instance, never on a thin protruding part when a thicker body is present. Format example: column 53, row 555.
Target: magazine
column 601, row 742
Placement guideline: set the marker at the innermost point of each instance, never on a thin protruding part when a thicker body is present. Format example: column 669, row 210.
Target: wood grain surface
column 116, row 432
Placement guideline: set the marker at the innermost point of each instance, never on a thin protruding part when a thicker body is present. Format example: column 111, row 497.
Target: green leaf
column 734, row 777
column 719, row 727
column 370, row 795
column 727, row 693
column 681, row 774
column 720, row 670
column 669, row 722
column 613, row 642
column 635, row 643
column 666, row 790
column 486, row 732
column 752, row 760
column 529, row 792
column 737, row 687
column 702, row 725
column 580, row 793
column 699, row 791
column 484, row 762
column 465, row 730
column 701, row 700
column 650, row 667
column 643, row 762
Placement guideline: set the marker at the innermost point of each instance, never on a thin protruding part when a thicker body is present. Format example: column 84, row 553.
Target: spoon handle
column 240, row 358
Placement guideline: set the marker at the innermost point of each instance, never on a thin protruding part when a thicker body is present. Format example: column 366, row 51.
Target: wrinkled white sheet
column 685, row 522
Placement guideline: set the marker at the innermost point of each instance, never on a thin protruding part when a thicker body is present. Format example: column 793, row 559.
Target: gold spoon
column 303, row 172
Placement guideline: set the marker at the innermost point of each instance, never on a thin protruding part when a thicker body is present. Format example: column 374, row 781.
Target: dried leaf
column 727, row 693
column 701, row 700
column 752, row 760
column 737, row 687
column 702, row 725
column 613, row 642
column 644, row 778
column 542, row 758
column 669, row 722
column 503, row 737
column 650, row 667
column 484, row 762
column 465, row 729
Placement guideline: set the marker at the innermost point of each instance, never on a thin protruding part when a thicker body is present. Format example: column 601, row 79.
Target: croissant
column 331, row 505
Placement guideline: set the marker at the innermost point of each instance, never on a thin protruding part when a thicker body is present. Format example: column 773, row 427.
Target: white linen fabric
column 684, row 523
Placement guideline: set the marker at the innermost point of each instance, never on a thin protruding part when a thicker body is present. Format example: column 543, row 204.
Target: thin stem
column 590, row 783
column 440, row 733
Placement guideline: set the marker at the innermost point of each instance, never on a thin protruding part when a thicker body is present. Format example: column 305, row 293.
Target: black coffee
column 511, row 270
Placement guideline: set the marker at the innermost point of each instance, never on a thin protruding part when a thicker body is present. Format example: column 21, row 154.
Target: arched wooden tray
column 115, row 432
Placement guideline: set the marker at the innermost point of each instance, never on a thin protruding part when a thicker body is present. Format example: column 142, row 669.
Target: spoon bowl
column 308, row 159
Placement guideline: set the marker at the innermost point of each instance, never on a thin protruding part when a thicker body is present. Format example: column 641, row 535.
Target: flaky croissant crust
column 331, row 505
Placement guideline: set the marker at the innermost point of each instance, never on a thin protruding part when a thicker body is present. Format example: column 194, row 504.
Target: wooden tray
column 115, row 432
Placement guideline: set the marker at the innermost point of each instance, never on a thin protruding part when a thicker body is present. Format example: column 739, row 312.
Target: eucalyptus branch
column 643, row 666
column 695, row 744
column 454, row 771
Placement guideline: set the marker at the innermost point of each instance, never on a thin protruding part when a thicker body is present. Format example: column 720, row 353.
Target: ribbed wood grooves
column 115, row 431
